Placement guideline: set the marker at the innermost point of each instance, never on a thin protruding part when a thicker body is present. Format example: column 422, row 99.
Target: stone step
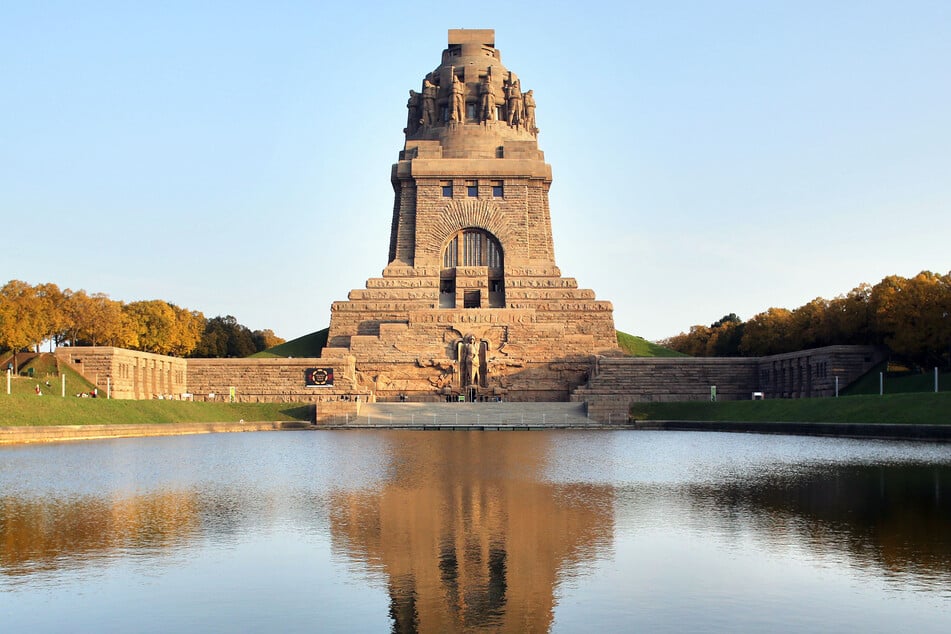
column 473, row 414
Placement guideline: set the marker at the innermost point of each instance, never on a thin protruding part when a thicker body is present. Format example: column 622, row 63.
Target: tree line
column 32, row 315
column 910, row 316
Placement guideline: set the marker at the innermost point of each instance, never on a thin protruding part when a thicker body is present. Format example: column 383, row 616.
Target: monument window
column 496, row 293
column 472, row 189
column 447, row 189
column 497, row 191
column 447, row 293
column 477, row 249
column 451, row 255
column 471, row 114
column 472, row 248
column 472, row 299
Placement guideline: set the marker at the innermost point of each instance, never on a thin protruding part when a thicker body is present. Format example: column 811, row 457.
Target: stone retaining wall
column 618, row 382
column 60, row 433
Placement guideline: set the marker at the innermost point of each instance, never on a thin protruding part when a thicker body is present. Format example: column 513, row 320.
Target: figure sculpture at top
column 412, row 112
column 457, row 111
column 528, row 101
column 488, row 98
column 513, row 98
column 429, row 103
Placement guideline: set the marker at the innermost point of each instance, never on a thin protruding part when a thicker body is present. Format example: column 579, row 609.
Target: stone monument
column 471, row 304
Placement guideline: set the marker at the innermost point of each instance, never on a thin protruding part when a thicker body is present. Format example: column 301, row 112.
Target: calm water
column 491, row 531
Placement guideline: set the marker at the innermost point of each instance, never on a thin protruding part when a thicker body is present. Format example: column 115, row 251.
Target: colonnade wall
column 618, row 382
column 127, row 374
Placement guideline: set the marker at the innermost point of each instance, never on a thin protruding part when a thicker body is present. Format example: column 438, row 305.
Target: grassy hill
column 46, row 369
column 635, row 346
column 898, row 382
column 302, row 347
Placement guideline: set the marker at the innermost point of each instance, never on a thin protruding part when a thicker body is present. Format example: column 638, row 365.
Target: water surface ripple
column 476, row 531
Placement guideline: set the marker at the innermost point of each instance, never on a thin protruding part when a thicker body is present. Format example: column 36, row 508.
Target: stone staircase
column 471, row 416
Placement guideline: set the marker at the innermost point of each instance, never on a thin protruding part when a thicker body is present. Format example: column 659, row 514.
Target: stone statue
column 513, row 99
column 528, row 101
column 412, row 112
column 429, row 103
column 457, row 110
column 470, row 362
column 488, row 98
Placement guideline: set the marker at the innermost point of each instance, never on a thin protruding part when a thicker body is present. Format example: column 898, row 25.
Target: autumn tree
column 767, row 333
column 103, row 322
column 693, row 343
column 225, row 337
column 720, row 339
column 21, row 323
column 913, row 316
column 51, row 303
column 264, row 339
column 725, row 336
column 850, row 318
column 164, row 328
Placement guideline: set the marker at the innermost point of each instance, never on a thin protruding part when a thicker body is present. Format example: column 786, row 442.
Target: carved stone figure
column 513, row 98
column 457, row 110
column 528, row 103
column 470, row 362
column 412, row 112
column 429, row 103
column 488, row 98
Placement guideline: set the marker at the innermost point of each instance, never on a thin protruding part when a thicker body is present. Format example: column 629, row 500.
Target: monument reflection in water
column 476, row 531
column 469, row 535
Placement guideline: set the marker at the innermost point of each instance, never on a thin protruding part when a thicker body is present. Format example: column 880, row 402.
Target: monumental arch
column 471, row 303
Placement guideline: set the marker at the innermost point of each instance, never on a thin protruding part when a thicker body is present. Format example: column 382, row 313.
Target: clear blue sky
column 708, row 157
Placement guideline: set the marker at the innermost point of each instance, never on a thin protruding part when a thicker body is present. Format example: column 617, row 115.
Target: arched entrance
column 472, row 271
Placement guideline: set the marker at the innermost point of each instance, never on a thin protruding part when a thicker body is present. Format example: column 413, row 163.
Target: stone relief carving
column 457, row 110
column 488, row 98
column 412, row 112
column 470, row 355
column 517, row 107
column 528, row 101
column 429, row 103
column 513, row 101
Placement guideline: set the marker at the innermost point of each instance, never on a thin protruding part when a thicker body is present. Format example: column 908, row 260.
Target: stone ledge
column 61, row 433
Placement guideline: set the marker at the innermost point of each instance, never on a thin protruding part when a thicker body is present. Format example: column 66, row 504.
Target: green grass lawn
column 302, row 347
column 635, row 346
column 899, row 383
column 923, row 408
column 24, row 408
column 45, row 371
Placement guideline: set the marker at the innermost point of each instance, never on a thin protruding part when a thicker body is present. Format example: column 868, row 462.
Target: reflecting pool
column 409, row 531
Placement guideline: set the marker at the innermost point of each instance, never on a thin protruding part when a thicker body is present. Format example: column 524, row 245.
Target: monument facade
column 471, row 303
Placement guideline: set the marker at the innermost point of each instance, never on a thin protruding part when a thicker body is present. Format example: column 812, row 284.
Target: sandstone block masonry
column 129, row 374
column 617, row 383
column 612, row 385
column 471, row 257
